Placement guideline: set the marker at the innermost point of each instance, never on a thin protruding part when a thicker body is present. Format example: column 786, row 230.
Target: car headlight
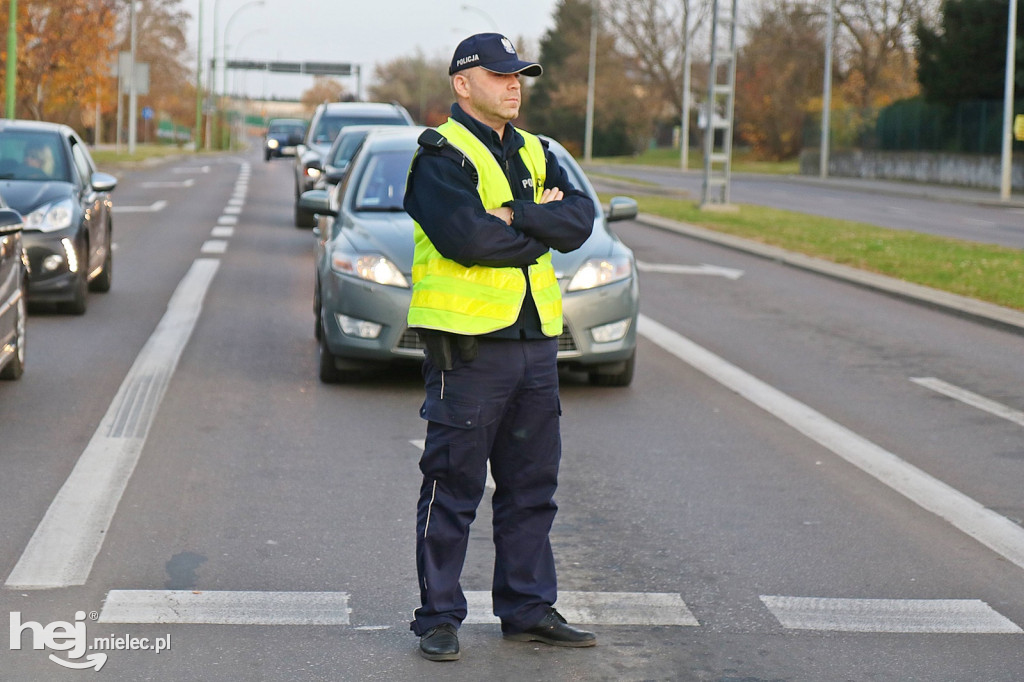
column 272, row 143
column 312, row 173
column 50, row 217
column 372, row 267
column 597, row 272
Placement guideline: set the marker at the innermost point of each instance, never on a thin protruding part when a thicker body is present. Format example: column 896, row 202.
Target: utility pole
column 199, row 80
column 1006, row 181
column 12, row 57
column 133, row 95
column 588, row 133
column 826, row 98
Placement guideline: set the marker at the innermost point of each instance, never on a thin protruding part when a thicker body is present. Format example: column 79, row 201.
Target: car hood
column 25, row 196
column 391, row 234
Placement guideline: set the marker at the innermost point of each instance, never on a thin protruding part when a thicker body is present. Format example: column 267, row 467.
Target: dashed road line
column 949, row 616
column 226, row 608
column 972, row 399
column 601, row 608
column 155, row 207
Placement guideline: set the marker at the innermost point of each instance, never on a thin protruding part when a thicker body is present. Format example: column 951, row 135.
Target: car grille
column 410, row 341
column 566, row 343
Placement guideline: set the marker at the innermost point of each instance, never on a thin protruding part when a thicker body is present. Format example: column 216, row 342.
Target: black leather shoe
column 440, row 643
column 553, row 629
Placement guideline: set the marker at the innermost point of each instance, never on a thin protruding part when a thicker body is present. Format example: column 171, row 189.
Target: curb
column 989, row 313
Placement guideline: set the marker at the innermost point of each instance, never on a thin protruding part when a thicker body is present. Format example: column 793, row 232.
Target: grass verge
column 982, row 271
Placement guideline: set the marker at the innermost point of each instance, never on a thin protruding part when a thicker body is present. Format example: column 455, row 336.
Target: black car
column 328, row 120
column 13, row 294
column 282, row 137
column 48, row 175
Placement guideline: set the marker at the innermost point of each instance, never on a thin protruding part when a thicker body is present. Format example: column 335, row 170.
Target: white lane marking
column 169, row 185
column 702, row 269
column 214, row 246
column 155, row 207
column 978, row 222
column 236, row 201
column 191, row 169
column 987, row 527
column 889, row 615
column 972, row 399
column 227, row 220
column 222, row 232
column 233, row 210
column 64, row 546
column 601, row 608
column 226, row 608
column 489, row 484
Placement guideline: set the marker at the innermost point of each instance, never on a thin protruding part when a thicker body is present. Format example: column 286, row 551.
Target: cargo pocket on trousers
column 453, row 435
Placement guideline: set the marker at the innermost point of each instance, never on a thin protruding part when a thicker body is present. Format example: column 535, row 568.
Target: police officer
column 490, row 203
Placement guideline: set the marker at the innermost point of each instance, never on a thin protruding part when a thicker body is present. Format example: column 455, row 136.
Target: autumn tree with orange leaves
column 65, row 48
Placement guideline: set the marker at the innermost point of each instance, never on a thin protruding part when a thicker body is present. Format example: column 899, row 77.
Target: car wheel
column 304, row 218
column 16, row 367
column 101, row 282
column 77, row 304
column 318, row 330
column 621, row 375
column 329, row 373
column 266, row 155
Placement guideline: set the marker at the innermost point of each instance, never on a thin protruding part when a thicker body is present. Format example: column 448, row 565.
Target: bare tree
column 656, row 35
column 418, row 83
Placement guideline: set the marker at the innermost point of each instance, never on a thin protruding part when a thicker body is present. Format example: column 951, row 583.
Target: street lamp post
column 224, row 48
column 1006, row 180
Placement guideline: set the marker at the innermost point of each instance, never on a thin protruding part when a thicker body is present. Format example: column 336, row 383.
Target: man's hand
column 549, row 195
column 552, row 194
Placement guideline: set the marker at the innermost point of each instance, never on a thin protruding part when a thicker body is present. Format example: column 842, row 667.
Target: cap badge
column 508, row 46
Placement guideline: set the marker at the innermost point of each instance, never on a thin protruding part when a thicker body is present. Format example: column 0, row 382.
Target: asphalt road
column 973, row 215
column 782, row 494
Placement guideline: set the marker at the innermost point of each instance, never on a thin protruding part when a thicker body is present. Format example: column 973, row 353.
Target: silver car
column 364, row 251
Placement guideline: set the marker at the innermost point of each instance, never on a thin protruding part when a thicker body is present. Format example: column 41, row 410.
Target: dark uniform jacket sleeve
column 561, row 225
column 442, row 197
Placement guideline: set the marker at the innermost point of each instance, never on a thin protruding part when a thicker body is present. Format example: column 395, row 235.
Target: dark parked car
column 363, row 261
column 328, row 120
column 282, row 137
column 13, row 294
column 48, row 175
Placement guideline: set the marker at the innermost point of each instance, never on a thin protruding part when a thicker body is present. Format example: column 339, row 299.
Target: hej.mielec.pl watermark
column 81, row 652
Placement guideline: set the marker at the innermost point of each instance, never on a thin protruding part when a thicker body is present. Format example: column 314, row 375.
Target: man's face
column 491, row 98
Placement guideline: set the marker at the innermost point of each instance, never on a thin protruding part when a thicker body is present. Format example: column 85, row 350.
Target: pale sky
column 365, row 32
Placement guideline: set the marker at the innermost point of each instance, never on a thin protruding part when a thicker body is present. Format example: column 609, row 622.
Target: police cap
column 493, row 52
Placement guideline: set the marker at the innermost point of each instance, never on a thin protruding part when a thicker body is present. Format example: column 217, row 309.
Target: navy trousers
column 502, row 406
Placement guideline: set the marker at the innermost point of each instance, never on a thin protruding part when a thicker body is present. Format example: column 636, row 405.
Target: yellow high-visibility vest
column 477, row 300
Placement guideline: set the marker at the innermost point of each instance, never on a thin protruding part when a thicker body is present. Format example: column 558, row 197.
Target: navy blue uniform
column 502, row 405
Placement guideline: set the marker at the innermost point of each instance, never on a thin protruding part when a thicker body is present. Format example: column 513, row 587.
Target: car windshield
column 382, row 182
column 286, row 129
column 32, row 156
column 348, row 145
column 329, row 126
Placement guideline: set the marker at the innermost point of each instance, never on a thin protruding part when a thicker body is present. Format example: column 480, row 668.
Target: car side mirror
column 317, row 201
column 103, row 182
column 622, row 208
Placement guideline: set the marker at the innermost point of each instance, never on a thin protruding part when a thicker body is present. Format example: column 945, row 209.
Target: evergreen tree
column 965, row 57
